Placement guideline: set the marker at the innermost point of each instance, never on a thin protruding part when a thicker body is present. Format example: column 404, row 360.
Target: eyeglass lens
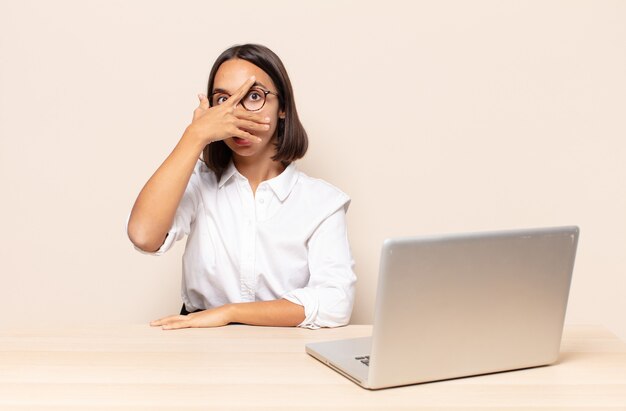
column 254, row 100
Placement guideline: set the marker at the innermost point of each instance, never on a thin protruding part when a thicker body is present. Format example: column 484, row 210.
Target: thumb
column 204, row 101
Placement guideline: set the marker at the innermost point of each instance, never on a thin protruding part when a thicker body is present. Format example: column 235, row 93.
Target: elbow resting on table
column 326, row 307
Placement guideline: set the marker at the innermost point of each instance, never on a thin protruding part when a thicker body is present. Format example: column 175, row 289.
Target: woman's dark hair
column 291, row 139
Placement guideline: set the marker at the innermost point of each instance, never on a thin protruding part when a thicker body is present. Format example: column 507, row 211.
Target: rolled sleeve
column 184, row 217
column 328, row 298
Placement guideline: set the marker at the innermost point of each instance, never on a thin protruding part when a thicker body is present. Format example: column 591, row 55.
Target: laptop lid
column 466, row 304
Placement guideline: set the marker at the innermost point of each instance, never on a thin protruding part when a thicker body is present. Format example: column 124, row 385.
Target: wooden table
column 236, row 367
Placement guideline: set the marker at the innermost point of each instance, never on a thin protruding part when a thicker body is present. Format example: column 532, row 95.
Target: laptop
column 461, row 305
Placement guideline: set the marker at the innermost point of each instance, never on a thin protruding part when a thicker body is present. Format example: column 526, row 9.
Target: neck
column 257, row 169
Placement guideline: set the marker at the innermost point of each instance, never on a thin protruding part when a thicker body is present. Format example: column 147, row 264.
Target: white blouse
column 289, row 241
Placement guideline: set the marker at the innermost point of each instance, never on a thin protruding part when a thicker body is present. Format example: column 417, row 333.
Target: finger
column 167, row 320
column 177, row 325
column 247, row 115
column 204, row 101
column 159, row 321
column 241, row 91
column 244, row 134
column 251, row 125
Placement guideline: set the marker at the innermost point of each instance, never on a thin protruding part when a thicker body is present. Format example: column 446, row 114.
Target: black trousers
column 183, row 311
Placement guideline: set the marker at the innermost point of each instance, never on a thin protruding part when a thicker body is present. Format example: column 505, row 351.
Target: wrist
column 192, row 137
column 230, row 312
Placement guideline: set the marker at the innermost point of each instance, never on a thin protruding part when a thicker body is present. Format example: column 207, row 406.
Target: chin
column 247, row 151
column 243, row 151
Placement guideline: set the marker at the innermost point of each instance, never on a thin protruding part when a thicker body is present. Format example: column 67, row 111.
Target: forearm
column 277, row 313
column 155, row 207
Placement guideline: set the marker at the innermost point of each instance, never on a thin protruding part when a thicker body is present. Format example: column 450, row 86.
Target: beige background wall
column 434, row 117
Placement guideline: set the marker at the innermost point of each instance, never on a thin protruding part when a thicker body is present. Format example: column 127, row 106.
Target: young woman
column 267, row 244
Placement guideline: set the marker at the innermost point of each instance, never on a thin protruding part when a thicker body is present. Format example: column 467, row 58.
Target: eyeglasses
column 253, row 101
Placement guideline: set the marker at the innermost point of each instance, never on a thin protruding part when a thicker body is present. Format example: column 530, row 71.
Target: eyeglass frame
column 265, row 93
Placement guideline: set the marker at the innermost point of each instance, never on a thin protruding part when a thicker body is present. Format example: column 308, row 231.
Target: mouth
column 241, row 141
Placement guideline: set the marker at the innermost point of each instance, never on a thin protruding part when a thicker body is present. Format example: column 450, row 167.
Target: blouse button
column 261, row 200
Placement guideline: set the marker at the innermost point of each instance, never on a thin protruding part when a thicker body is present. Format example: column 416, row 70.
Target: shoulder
column 320, row 193
column 317, row 186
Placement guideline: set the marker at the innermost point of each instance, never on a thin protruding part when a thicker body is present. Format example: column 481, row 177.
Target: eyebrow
column 221, row 90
